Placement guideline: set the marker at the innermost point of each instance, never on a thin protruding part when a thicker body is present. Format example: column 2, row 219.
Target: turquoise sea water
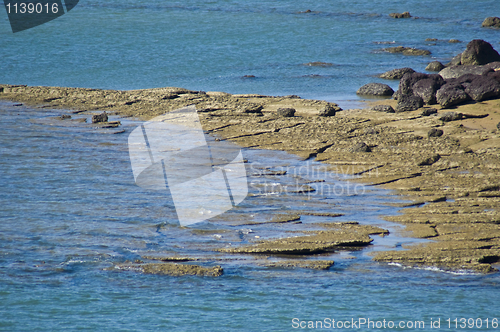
column 211, row 45
column 70, row 211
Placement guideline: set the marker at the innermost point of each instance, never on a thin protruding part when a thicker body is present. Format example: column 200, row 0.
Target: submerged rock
column 375, row 89
column 97, row 118
column 400, row 15
column 396, row 74
column 177, row 270
column 172, row 269
column 344, row 235
column 318, row 64
column 407, row 50
column 491, row 22
column 305, row 264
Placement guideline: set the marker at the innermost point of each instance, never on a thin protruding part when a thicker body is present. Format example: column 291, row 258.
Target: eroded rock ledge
column 460, row 188
column 343, row 235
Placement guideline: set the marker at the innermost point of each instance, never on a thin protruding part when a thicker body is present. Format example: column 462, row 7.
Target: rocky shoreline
column 447, row 163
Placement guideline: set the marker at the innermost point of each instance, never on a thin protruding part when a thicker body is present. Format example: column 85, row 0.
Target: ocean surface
column 71, row 214
column 212, row 45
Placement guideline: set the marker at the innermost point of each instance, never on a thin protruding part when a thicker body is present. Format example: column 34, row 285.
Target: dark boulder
column 427, row 88
column 493, row 65
column 434, row 66
column 456, row 61
column 498, row 126
column 360, row 147
column 400, row 15
column 428, row 112
column 383, row 108
column 406, row 83
column 396, row 74
column 330, row 110
column 494, row 75
column 450, row 116
column 103, row 117
column 286, row 112
column 65, row 117
column 467, row 78
column 451, row 94
column 479, row 52
column 483, row 87
column 375, row 89
column 491, row 22
column 435, row 133
column 408, row 103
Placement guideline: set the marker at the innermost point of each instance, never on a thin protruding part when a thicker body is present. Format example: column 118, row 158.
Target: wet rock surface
column 343, row 235
column 173, row 269
column 98, row 118
column 305, row 264
column 318, row 64
column 457, row 196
